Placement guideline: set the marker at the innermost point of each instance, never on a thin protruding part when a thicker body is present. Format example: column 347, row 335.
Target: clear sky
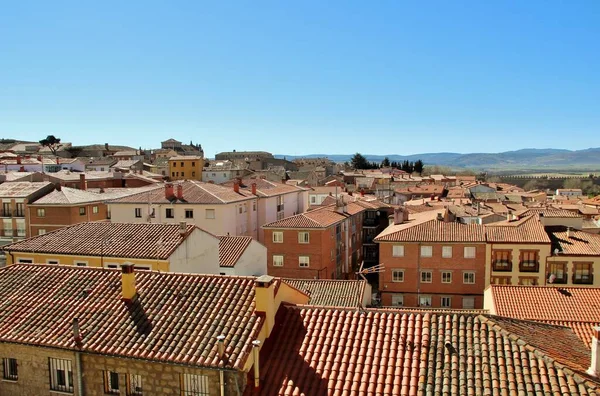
column 302, row 77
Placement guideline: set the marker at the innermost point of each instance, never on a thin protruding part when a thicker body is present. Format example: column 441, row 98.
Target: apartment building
column 186, row 167
column 432, row 262
column 16, row 197
column 275, row 200
column 217, row 209
column 163, row 247
column 242, row 256
column 518, row 248
column 130, row 332
column 222, row 171
column 319, row 244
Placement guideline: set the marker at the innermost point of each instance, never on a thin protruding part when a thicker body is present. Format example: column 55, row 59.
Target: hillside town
column 160, row 271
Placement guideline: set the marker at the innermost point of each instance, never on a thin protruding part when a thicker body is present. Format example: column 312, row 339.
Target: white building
column 222, row 171
column 242, row 256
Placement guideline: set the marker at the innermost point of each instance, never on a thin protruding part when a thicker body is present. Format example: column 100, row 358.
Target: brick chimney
column 398, row 216
column 264, row 299
column 362, row 192
column 182, row 228
column 169, row 191
column 39, row 158
column 180, row 191
column 128, row 288
column 253, row 188
column 595, row 362
column 236, row 186
column 22, row 169
column 19, row 160
column 82, row 184
column 283, row 181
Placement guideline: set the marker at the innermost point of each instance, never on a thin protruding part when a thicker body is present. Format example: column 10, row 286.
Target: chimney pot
column 221, row 345
column 82, row 184
column 128, row 288
column 76, row 331
column 236, row 187
column 169, row 191
column 19, row 160
column 253, row 188
column 256, row 355
column 180, row 191
column 283, row 181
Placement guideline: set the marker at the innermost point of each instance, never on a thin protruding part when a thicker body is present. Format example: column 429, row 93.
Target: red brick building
column 319, row 244
column 431, row 262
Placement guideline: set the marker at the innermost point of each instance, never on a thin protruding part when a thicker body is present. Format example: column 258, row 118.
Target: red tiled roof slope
column 525, row 230
column 576, row 243
column 333, row 293
column 319, row 218
column 320, row 351
column 132, row 240
column 437, row 231
column 231, row 248
column 176, row 318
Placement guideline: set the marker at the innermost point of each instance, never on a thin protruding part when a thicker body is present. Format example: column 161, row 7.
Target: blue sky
column 304, row 77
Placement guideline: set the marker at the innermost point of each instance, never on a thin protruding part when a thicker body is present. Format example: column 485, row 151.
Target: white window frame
column 276, row 260
column 398, row 251
column 277, row 236
column 24, row 260
column 55, row 365
column 426, row 251
column 80, row 263
column 447, row 251
column 470, row 249
column 41, row 212
column 445, row 273
column 425, row 298
column 190, row 211
column 424, row 272
column 52, row 261
column 41, row 231
column 137, row 213
column 467, row 274
column 95, row 209
column 446, row 298
column 109, row 386
column 468, row 306
column 397, row 300
column 135, row 385
column 303, row 237
column 304, row 261
column 209, row 214
column 397, row 275
column 10, row 364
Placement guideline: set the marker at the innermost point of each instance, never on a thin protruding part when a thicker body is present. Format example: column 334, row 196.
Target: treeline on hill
column 358, row 161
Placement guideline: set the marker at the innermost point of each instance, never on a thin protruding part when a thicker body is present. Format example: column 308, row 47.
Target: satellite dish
column 552, row 278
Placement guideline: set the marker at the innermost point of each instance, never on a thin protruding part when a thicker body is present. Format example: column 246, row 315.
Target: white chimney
column 568, row 232
column 595, row 363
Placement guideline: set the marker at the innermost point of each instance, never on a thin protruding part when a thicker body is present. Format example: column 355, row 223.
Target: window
column 194, row 385
column 304, row 261
column 468, row 302
column 182, row 174
column 6, row 209
column 582, row 273
column 398, row 299
column 277, row 261
column 397, row 275
column 169, row 213
column 20, row 210
column 559, row 270
column 41, row 212
column 469, row 252
column 469, row 277
column 41, row 231
column 303, row 237
column 142, row 267
column 254, row 206
column 193, row 174
column 25, row 261
column 82, row 211
column 240, row 209
column 424, row 301
column 446, row 302
column 446, row 277
column 174, row 164
column 313, row 199
column 529, row 261
column 111, row 382
column 277, row 237
column 173, row 174
column 94, row 209
column 138, row 212
column 501, row 260
column 61, row 375
column 189, row 213
column 81, row 263
column 182, row 164
column 21, row 229
column 501, row 280
column 210, row 213
column 426, row 276
column 527, row 281
column 134, row 385
column 193, row 163
column 446, row 251
column 398, row 251
column 10, row 369
column 426, row 251
column 52, row 262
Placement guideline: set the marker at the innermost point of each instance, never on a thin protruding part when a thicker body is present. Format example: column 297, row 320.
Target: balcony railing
column 369, row 222
column 529, row 266
column 583, row 279
column 559, row 280
column 9, row 233
column 502, row 266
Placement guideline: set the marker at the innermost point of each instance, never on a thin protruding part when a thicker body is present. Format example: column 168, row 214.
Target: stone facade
column 156, row 378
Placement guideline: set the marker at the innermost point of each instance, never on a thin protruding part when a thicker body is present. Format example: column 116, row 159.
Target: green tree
column 52, row 142
column 358, row 161
column 532, row 185
column 385, row 163
column 572, row 183
column 418, row 166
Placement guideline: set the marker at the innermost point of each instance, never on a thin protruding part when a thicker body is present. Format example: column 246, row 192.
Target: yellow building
column 161, row 247
column 186, row 167
column 517, row 250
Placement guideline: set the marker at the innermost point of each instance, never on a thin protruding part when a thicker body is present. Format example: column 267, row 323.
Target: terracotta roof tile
column 525, row 230
column 131, row 240
column 576, row 243
column 264, row 187
column 551, row 212
column 21, row 189
column 231, row 248
column 322, row 217
column 334, row 293
column 175, row 318
column 434, row 231
column 575, row 307
column 320, row 351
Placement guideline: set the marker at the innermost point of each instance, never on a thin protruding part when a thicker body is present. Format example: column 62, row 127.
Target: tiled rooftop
column 21, row 189
column 231, row 248
column 333, row 293
column 175, row 319
column 575, row 307
column 551, row 213
column 525, row 230
column 322, row 217
column 577, row 242
column 194, row 192
column 264, row 187
column 321, row 351
column 130, row 240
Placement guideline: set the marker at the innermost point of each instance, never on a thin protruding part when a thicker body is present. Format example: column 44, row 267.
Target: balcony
column 18, row 213
column 368, row 222
column 584, row 279
column 502, row 266
column 559, row 280
column 529, row 266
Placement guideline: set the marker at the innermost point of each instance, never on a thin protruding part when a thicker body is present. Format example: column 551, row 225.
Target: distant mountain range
column 528, row 158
